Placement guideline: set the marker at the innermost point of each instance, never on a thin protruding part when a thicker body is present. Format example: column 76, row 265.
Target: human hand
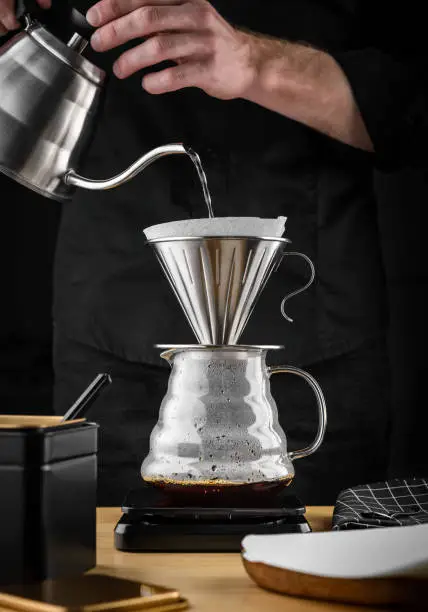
column 8, row 20
column 210, row 54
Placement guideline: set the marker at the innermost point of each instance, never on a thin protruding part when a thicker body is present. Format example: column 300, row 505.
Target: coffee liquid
column 220, row 493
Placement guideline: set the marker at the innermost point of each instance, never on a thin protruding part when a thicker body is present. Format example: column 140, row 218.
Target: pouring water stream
column 203, row 179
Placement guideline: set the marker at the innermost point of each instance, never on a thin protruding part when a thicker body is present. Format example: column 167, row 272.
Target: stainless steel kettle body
column 49, row 99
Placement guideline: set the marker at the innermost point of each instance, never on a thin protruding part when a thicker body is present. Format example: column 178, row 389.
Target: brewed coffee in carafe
column 218, row 440
column 220, row 494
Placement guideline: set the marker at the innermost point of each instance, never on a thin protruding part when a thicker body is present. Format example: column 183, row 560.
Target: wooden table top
column 212, row 582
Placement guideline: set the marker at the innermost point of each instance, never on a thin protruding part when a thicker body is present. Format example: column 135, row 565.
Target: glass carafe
column 218, row 430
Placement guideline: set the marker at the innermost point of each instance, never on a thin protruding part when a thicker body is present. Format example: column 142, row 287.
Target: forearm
column 299, row 82
column 306, row 85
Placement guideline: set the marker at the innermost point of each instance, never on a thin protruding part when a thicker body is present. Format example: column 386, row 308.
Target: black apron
column 110, row 291
column 113, row 304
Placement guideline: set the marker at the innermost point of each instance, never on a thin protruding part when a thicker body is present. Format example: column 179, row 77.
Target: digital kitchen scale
column 150, row 523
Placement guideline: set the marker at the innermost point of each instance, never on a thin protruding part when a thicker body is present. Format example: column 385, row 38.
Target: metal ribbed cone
column 218, row 280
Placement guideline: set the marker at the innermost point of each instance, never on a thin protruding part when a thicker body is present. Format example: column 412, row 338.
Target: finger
column 173, row 79
column 107, row 10
column 8, row 19
column 161, row 48
column 44, row 4
column 146, row 21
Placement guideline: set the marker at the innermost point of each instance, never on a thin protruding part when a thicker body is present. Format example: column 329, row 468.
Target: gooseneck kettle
column 50, row 95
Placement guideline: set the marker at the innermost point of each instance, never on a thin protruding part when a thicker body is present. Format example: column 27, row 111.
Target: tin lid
column 23, row 421
column 33, row 441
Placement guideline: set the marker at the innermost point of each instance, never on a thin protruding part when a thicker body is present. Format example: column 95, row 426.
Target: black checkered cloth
column 382, row 504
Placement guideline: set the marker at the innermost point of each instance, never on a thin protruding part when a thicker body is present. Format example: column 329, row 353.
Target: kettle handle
column 80, row 24
column 321, row 405
column 61, row 10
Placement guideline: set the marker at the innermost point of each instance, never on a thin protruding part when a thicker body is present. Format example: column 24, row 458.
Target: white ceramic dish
column 369, row 553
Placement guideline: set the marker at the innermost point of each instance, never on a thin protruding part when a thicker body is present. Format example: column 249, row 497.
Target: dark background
column 30, row 225
column 29, row 228
column 402, row 203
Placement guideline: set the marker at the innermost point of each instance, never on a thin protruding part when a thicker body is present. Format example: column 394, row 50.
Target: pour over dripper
column 218, row 280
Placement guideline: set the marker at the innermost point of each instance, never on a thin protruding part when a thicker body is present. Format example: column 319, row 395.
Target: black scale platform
column 150, row 523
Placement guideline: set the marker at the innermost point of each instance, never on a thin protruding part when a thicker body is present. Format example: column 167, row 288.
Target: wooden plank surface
column 212, row 582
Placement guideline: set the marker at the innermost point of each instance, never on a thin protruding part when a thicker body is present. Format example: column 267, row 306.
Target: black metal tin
column 48, row 479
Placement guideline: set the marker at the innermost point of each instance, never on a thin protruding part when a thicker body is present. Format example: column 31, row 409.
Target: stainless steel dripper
column 50, row 96
column 218, row 280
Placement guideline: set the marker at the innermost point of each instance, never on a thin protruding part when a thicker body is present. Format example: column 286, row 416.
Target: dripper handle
column 297, row 291
column 321, row 405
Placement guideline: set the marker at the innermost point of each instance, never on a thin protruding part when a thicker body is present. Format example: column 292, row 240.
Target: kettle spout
column 76, row 180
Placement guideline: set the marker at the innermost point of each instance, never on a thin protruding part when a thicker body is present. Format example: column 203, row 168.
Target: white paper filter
column 218, row 226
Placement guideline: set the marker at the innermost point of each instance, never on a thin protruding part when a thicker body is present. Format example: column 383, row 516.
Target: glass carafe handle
column 297, row 291
column 322, row 409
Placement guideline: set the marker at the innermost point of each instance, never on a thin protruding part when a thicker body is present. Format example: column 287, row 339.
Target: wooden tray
column 95, row 591
column 369, row 591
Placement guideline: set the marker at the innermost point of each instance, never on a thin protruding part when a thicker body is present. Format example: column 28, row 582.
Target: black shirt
column 110, row 291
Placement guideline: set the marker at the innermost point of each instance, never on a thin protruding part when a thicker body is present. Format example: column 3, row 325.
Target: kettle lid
column 69, row 53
